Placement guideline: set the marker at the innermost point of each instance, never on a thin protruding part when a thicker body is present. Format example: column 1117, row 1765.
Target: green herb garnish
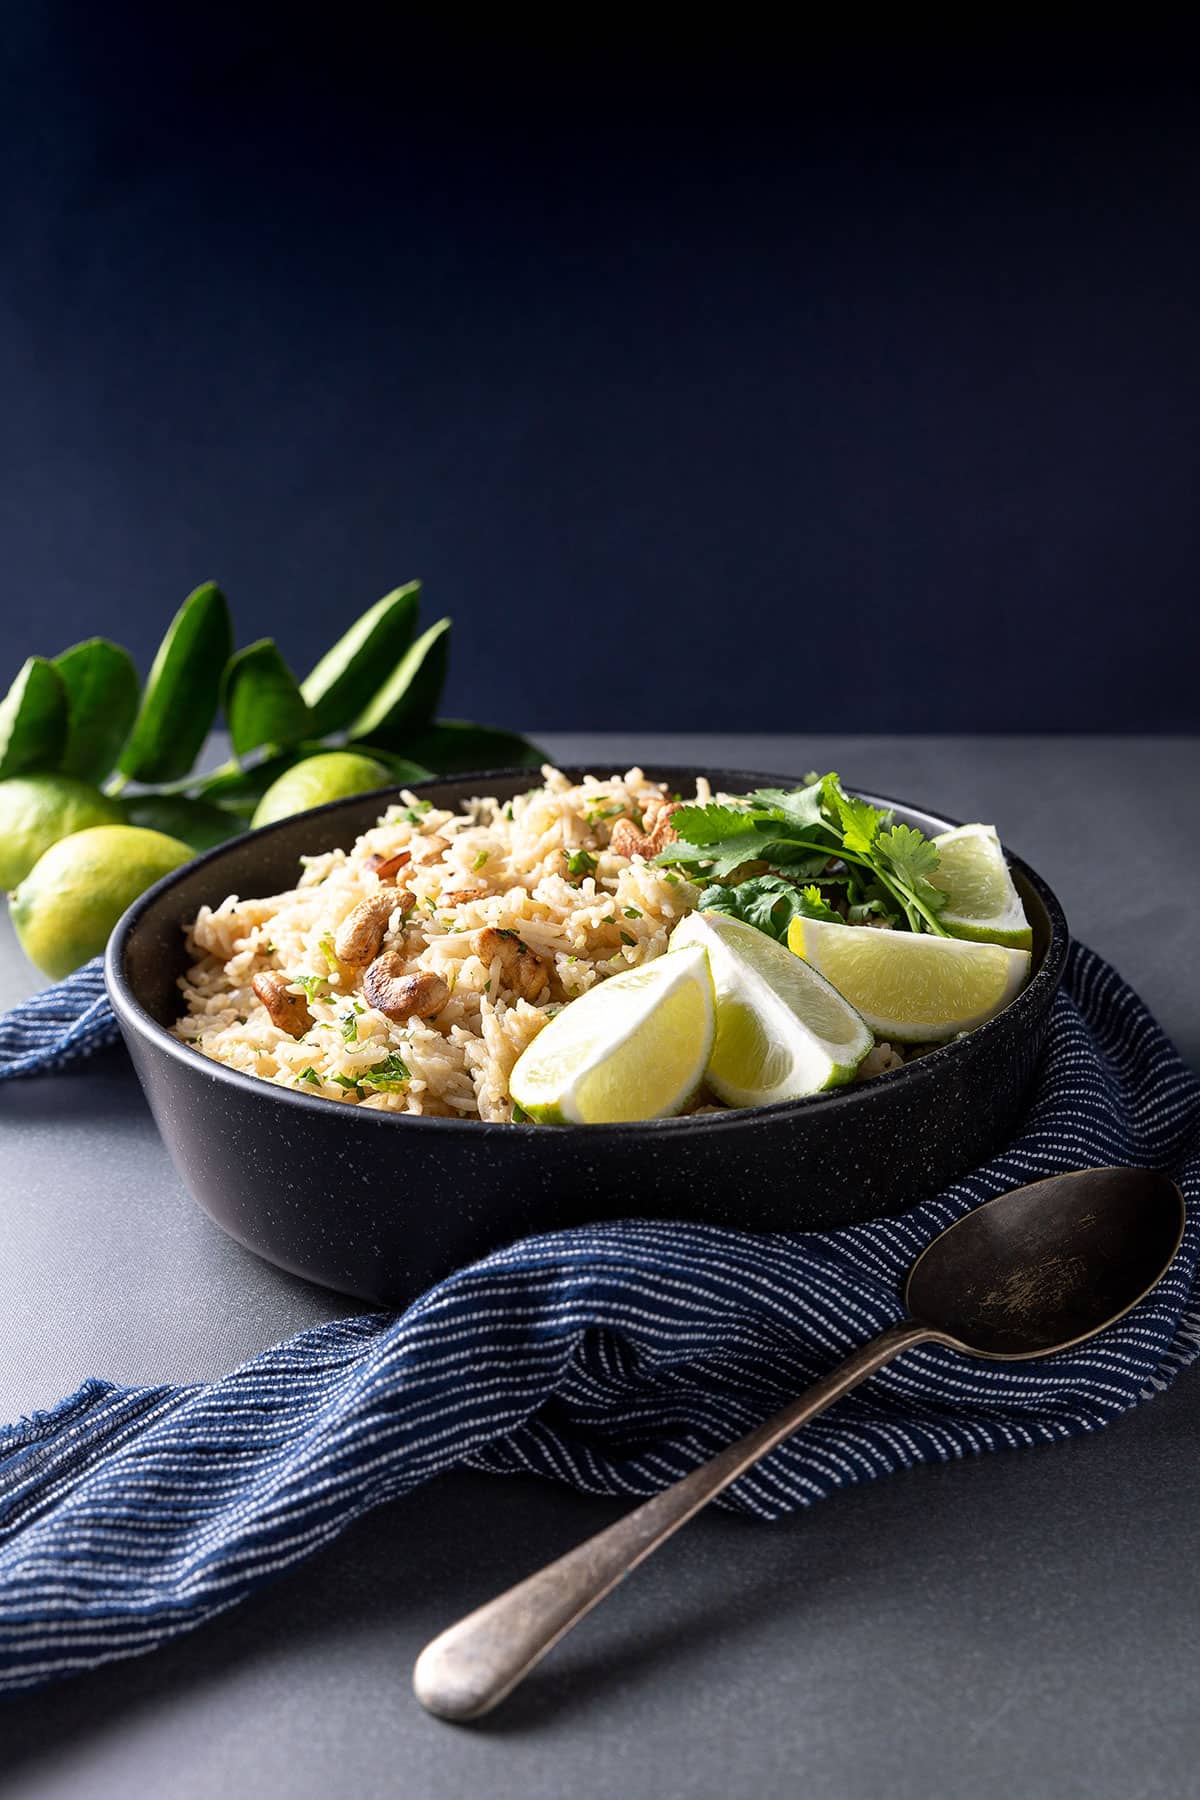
column 480, row 859
column 310, row 1075
column 580, row 863
column 388, row 1075
column 631, row 912
column 804, row 839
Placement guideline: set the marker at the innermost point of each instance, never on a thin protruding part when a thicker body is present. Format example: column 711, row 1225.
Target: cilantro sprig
column 772, row 857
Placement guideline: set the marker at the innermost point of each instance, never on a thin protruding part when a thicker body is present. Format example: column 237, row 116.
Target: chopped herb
column 673, row 879
column 388, row 1075
column 350, row 1029
column 268, row 949
column 631, row 912
column 507, row 809
column 325, row 946
column 348, row 1082
column 311, row 984
column 610, row 920
column 580, row 863
column 519, row 1115
column 241, row 1018
column 310, row 1075
column 480, row 859
column 627, row 937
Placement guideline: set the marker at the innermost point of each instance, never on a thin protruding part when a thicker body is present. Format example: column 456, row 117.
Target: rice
column 540, row 866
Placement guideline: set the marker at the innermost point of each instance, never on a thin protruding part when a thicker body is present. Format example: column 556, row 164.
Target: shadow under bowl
column 379, row 1205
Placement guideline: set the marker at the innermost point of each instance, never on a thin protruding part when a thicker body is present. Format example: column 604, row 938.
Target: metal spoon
column 1034, row 1271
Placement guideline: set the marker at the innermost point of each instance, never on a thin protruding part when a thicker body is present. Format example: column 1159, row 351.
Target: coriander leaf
column 768, row 902
column 388, row 1075
column 857, row 820
column 813, row 905
column 710, row 824
column 915, row 859
column 799, row 806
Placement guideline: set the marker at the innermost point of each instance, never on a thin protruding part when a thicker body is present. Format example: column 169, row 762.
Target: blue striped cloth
column 613, row 1358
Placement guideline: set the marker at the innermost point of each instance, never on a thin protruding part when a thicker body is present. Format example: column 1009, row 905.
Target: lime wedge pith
column 782, row 1030
column 910, row 986
column 633, row 1047
column 984, row 906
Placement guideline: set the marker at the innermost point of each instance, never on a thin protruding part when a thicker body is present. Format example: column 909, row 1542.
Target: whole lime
column 37, row 810
column 334, row 775
column 75, row 893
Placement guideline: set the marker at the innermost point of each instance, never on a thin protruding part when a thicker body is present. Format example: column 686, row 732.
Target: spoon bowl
column 1046, row 1266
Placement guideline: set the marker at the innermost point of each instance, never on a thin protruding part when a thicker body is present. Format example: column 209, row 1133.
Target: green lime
column 334, row 775
column 633, row 1047
column 194, row 822
column 75, row 893
column 911, row 987
column 982, row 902
column 37, row 810
column 782, row 1031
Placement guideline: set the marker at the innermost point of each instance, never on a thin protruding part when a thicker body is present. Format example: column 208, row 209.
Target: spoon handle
column 470, row 1667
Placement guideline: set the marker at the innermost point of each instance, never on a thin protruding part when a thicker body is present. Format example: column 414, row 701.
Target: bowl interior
column 151, row 954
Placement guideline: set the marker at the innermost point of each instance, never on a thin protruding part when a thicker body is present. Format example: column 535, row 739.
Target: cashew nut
column 363, row 929
column 462, row 896
column 386, row 868
column 427, row 850
column 520, row 967
column 399, row 996
column 288, row 1011
column 627, row 840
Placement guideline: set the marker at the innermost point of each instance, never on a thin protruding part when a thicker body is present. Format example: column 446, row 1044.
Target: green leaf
column 262, row 701
column 194, row 822
column 401, row 768
column 801, row 806
column 858, row 821
column 102, row 701
column 768, row 902
column 410, row 695
column 711, row 824
column 457, row 747
column 349, row 675
column 33, row 719
column 749, row 847
column 915, row 859
column 180, row 700
column 240, row 790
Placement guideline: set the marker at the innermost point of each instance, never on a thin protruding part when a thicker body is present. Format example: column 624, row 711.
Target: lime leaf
column 456, row 747
column 261, row 700
column 410, row 695
column 33, row 719
column 195, row 822
column 348, row 675
column 184, row 685
column 102, row 702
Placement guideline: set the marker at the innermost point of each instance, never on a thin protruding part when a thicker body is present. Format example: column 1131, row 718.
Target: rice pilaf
column 517, row 907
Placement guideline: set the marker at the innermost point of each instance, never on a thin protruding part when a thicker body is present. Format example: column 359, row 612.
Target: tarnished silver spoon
column 1034, row 1271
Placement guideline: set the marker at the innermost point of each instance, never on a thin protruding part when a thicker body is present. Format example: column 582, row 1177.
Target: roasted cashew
column 520, row 967
column 627, row 840
column 396, row 995
column 288, row 1011
column 386, row 868
column 363, row 929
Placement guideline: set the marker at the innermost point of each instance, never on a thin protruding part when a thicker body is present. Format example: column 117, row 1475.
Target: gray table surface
column 1016, row 1625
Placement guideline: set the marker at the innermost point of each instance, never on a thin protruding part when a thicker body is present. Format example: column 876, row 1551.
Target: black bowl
column 380, row 1204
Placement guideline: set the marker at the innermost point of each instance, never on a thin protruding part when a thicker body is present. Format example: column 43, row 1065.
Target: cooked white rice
column 507, row 866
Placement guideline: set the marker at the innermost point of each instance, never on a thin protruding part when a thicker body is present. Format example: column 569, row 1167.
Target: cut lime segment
column 633, row 1047
column 984, row 905
column 910, row 986
column 782, row 1030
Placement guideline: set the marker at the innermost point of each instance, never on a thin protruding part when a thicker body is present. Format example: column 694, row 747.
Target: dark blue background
column 732, row 387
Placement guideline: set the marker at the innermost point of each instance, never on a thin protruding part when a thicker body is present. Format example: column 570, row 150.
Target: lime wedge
column 634, row 1047
column 782, row 1031
column 984, row 905
column 908, row 985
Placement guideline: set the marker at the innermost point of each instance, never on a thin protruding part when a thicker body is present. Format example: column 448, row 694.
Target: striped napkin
column 614, row 1358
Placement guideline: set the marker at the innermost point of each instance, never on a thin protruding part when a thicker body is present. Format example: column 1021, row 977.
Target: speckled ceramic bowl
column 379, row 1204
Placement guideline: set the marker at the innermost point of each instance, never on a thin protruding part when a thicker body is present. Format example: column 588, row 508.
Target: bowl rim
column 132, row 1016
